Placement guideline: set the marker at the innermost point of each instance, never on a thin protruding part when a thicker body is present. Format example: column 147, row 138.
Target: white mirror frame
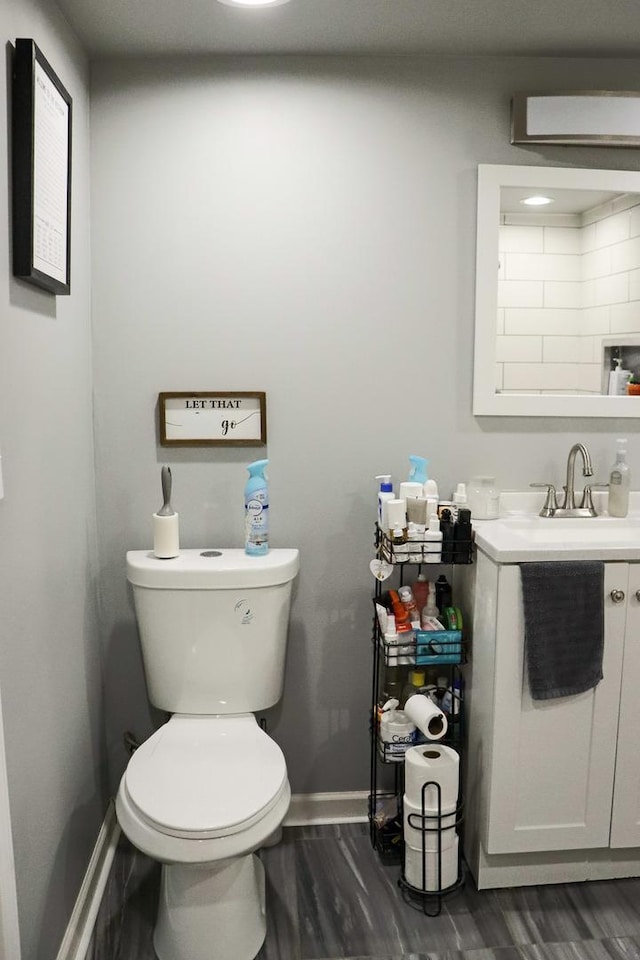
column 486, row 402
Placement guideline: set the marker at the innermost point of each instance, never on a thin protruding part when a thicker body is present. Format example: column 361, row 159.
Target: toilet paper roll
column 435, row 765
column 431, row 880
column 425, row 829
column 427, row 716
column 166, row 536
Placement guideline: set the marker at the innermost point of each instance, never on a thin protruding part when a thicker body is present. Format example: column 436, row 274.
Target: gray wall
column 50, row 654
column 304, row 227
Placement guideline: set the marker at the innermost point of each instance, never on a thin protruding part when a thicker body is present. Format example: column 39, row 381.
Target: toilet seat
column 202, row 778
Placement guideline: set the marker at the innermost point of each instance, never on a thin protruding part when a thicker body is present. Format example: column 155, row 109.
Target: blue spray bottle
column 418, row 472
column 256, row 510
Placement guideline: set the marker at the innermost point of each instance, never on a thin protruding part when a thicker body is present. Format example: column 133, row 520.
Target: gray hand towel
column 564, row 626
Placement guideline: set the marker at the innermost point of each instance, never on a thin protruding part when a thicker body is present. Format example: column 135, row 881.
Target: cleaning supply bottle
column 406, row 596
column 420, row 591
column 447, row 529
column 256, row 510
column 443, row 592
column 385, row 493
column 619, row 481
column 462, row 537
column 433, row 542
column 415, row 684
column 418, row 471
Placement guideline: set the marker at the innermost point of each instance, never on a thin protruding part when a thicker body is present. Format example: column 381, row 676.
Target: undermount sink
column 529, row 538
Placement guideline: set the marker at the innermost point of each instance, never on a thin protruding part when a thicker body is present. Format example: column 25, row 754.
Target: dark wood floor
column 329, row 897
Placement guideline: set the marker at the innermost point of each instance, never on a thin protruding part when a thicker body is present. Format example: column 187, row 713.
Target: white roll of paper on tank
column 166, row 530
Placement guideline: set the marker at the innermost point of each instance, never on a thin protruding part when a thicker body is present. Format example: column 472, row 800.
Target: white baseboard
column 75, row 942
column 316, row 808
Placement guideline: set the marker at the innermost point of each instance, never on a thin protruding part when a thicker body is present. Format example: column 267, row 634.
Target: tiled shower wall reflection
column 561, row 289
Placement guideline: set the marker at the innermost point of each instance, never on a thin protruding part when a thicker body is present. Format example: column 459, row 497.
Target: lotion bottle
column 385, row 493
column 619, row 481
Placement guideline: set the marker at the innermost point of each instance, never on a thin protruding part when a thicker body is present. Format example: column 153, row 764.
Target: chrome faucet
column 587, row 471
column 568, row 508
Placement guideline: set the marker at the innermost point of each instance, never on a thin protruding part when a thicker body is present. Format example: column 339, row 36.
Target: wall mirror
column 557, row 292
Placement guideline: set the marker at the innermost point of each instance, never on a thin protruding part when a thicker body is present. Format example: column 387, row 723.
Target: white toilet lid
column 202, row 777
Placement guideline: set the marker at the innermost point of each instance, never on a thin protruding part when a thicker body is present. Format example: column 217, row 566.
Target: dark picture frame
column 41, row 127
column 219, row 418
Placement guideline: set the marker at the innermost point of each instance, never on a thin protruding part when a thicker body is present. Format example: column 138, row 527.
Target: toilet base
column 211, row 912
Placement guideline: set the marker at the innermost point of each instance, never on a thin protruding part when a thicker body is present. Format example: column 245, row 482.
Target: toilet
column 210, row 787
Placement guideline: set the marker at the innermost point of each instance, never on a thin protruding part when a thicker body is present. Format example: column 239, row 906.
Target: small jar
column 483, row 498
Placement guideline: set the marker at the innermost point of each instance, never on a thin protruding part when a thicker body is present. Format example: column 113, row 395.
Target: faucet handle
column 587, row 500
column 551, row 502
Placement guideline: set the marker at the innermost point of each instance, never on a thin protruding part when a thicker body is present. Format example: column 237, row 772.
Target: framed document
column 41, row 171
column 196, row 419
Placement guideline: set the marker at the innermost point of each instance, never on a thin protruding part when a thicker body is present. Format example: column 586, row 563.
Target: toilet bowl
column 209, row 788
column 201, row 795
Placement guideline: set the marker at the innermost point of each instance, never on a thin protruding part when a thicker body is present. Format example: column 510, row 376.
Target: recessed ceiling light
column 253, row 3
column 538, row 201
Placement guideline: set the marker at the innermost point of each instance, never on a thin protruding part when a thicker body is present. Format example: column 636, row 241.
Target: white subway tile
column 567, row 350
column 589, row 378
column 626, row 255
column 520, row 293
column 558, row 294
column 562, row 240
column 596, row 320
column 625, row 317
column 587, row 294
column 541, row 321
column 634, row 226
column 540, row 376
column 588, row 237
column 634, row 285
column 523, row 266
column 596, row 263
column 613, row 229
column 520, row 239
column 612, row 289
column 500, row 321
column 519, row 349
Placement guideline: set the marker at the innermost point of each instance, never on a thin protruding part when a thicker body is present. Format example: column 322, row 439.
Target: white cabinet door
column 552, row 761
column 625, row 820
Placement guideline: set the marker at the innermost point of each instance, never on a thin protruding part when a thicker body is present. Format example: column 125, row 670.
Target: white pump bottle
column 619, row 483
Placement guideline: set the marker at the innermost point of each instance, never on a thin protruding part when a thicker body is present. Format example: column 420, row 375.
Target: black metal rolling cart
column 386, row 814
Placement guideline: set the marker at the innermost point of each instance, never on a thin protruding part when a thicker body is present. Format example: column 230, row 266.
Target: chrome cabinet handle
column 618, row 595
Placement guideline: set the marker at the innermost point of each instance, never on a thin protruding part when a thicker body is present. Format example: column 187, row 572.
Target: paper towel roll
column 166, row 536
column 426, row 831
column 432, row 764
column 427, row 716
column 430, row 880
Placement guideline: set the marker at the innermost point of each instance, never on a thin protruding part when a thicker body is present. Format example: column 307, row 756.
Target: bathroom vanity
column 552, row 787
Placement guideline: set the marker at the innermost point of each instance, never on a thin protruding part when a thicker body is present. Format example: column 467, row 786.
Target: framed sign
column 41, row 171
column 191, row 419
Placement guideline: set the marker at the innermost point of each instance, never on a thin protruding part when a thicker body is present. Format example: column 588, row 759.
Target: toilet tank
column 213, row 627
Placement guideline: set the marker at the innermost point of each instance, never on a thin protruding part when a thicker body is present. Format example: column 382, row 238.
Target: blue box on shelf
column 438, row 646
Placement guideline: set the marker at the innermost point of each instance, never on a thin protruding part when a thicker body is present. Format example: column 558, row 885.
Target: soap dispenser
column 619, row 482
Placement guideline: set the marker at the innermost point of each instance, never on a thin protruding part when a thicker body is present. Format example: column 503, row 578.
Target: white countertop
column 521, row 535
